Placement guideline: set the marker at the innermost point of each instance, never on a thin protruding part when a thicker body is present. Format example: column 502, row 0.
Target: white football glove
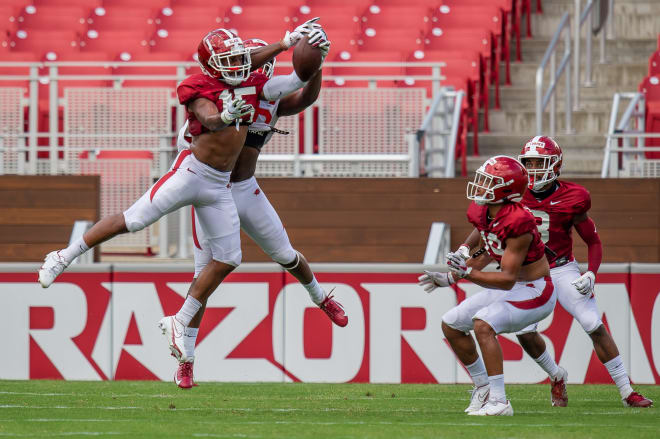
column 585, row 283
column 458, row 265
column 234, row 111
column 291, row 38
column 431, row 280
column 463, row 252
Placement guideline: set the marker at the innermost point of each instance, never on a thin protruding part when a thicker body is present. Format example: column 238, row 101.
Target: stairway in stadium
column 627, row 56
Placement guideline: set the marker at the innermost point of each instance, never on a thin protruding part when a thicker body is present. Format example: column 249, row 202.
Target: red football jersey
column 511, row 221
column 203, row 86
column 554, row 216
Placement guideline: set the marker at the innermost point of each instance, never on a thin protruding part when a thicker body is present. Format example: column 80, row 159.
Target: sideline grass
column 138, row 409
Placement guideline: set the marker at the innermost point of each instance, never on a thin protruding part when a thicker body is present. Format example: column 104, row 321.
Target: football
column 306, row 59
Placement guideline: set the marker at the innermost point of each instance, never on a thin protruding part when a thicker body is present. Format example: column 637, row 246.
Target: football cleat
column 54, row 264
column 183, row 377
column 637, row 400
column 173, row 330
column 478, row 397
column 558, row 394
column 494, row 408
column 334, row 310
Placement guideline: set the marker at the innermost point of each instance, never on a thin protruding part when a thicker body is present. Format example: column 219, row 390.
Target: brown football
column 306, row 59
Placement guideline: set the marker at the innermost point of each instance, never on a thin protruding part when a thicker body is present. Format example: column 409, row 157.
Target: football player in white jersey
column 257, row 216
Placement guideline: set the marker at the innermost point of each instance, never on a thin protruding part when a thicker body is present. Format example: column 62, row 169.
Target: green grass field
column 161, row 410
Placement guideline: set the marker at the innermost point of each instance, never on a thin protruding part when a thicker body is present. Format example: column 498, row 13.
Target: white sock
column 477, row 372
column 315, row 291
column 548, row 364
column 77, row 248
column 619, row 375
column 497, row 392
column 188, row 310
column 189, row 340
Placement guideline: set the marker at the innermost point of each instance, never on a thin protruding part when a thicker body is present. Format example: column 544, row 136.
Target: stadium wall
column 98, row 322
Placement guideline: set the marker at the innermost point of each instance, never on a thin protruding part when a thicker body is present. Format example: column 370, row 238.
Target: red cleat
column 334, row 310
column 184, row 375
column 637, row 400
column 558, row 390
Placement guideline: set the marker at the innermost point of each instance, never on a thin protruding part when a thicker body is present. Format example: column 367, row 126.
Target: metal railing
column 580, row 18
column 438, row 244
column 550, row 56
column 439, row 132
column 625, row 145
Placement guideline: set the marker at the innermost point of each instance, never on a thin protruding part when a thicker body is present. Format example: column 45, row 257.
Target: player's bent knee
column 452, row 319
column 287, row 257
column 590, row 323
column 483, row 328
column 133, row 224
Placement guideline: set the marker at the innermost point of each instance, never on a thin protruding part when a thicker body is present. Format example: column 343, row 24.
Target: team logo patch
column 257, row 191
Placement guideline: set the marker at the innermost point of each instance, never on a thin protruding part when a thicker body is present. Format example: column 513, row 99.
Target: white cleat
column 494, row 408
column 173, row 330
column 54, row 264
column 478, row 398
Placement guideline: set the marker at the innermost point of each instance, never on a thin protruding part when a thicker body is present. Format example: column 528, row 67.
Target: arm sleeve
column 587, row 231
column 278, row 87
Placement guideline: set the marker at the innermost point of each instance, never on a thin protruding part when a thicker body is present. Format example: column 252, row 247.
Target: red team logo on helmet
column 253, row 43
column 499, row 179
column 547, row 165
column 222, row 55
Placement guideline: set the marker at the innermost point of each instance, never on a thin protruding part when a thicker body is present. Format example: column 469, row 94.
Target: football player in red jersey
column 519, row 295
column 560, row 206
column 221, row 105
column 257, row 216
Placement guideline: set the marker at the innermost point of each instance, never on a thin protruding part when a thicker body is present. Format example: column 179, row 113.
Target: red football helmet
column 499, row 179
column 266, row 69
column 548, row 164
column 222, row 55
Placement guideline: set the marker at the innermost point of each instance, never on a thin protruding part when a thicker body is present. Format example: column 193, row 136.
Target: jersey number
column 229, row 95
column 544, row 225
column 493, row 243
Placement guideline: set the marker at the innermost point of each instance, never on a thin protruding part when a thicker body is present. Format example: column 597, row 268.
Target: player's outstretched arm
column 512, row 260
column 208, row 115
column 301, row 99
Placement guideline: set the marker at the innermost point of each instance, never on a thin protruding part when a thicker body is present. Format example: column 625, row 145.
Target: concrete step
column 627, row 75
column 620, row 50
column 523, row 120
column 631, row 19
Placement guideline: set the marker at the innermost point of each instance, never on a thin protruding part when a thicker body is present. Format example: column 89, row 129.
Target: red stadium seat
column 122, row 19
column 151, row 57
column 190, row 18
column 355, row 3
column 370, row 71
column 44, row 18
column 116, row 42
column 654, row 63
column 41, row 42
column 8, row 18
column 152, row 4
column 396, row 17
column 400, row 3
column 184, row 42
column 86, row 4
column 390, row 40
column 287, row 3
column 345, row 18
column 650, row 87
column 278, row 17
column 479, row 41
